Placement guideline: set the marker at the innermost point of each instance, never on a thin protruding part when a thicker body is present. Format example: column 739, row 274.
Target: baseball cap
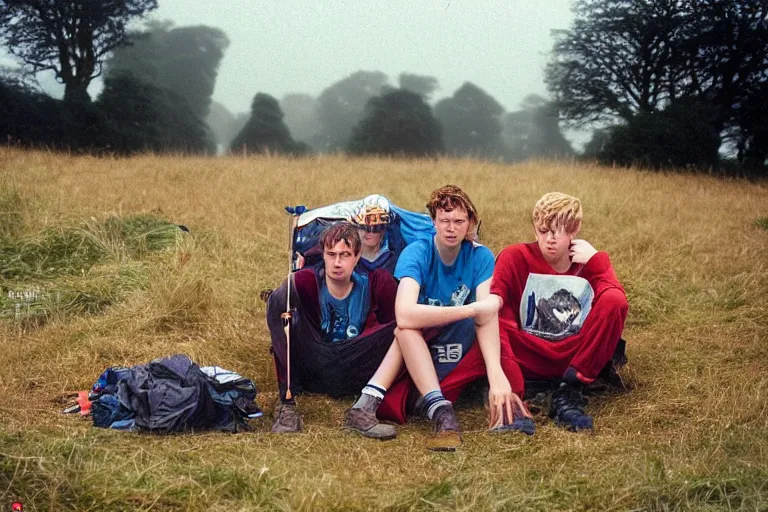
column 373, row 214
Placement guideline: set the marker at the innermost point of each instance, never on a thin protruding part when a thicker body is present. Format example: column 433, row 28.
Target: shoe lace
column 286, row 415
column 569, row 404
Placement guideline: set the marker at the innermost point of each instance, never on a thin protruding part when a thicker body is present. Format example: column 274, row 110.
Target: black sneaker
column 567, row 409
column 287, row 420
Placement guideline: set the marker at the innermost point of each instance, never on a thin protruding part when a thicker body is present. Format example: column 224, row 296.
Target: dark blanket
column 336, row 369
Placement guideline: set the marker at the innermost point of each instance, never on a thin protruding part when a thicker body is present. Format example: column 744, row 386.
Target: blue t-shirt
column 338, row 315
column 341, row 319
column 443, row 285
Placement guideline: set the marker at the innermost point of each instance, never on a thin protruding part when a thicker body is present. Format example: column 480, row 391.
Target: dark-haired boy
column 341, row 331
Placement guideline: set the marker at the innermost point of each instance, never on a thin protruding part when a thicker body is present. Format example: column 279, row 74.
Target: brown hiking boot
column 287, row 420
column 446, row 437
column 361, row 418
column 365, row 423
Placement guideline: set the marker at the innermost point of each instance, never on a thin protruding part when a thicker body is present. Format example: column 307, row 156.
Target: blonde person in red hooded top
column 563, row 307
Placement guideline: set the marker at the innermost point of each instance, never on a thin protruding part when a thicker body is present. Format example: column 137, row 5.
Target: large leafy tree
column 622, row 58
column 616, row 60
column 69, row 37
column 471, row 121
column 397, row 123
column 182, row 59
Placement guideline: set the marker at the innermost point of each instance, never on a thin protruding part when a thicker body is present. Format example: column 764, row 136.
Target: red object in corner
column 83, row 402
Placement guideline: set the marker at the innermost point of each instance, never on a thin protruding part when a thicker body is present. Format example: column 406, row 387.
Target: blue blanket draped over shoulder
column 405, row 227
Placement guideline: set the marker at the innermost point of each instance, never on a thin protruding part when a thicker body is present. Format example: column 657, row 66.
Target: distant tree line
column 157, row 82
column 663, row 83
column 363, row 114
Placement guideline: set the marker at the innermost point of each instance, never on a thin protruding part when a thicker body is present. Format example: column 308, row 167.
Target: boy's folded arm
column 600, row 273
column 412, row 315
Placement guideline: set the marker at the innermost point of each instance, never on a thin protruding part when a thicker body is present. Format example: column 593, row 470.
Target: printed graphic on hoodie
column 555, row 307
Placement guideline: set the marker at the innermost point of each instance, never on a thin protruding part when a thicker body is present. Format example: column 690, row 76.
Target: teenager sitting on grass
column 378, row 227
column 341, row 331
column 443, row 305
column 563, row 307
column 372, row 218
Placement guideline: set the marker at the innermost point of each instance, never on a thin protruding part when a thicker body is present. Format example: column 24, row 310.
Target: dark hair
column 339, row 231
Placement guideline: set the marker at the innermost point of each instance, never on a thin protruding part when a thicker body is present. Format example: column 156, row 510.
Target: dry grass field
column 692, row 252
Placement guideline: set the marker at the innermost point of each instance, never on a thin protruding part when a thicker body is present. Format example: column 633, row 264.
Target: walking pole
column 288, row 315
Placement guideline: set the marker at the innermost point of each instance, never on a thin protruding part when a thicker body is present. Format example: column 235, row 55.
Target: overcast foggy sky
column 280, row 47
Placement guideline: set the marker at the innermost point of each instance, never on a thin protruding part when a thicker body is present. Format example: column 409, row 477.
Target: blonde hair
column 448, row 198
column 558, row 210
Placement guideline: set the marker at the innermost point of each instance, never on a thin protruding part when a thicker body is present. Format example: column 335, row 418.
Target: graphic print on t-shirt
column 554, row 307
column 458, row 297
column 341, row 319
column 338, row 325
column 449, row 353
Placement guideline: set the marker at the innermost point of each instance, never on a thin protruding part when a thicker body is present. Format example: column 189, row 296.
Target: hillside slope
column 690, row 250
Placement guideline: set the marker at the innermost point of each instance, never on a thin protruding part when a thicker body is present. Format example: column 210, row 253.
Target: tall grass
column 80, row 269
column 690, row 250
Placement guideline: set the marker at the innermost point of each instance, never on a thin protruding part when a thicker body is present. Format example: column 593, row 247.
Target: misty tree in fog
column 422, row 85
column 265, row 131
column 471, row 121
column 534, row 131
column 301, row 116
column 70, row 38
column 398, row 123
column 143, row 117
column 224, row 124
column 340, row 107
column 182, row 59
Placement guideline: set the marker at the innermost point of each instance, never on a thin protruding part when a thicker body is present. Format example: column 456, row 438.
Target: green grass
column 81, row 269
column 12, row 207
column 117, row 284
